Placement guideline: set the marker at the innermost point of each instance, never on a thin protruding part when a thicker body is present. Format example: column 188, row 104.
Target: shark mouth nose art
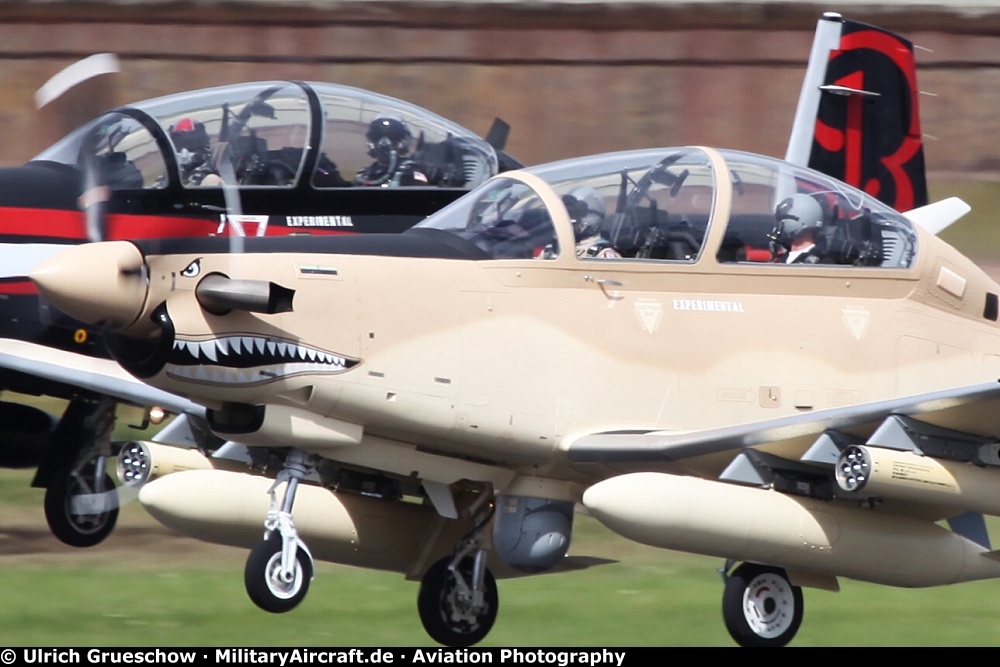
column 248, row 359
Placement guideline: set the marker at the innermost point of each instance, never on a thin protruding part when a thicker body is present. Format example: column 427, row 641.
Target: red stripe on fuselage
column 63, row 224
column 17, row 287
column 40, row 223
column 151, row 227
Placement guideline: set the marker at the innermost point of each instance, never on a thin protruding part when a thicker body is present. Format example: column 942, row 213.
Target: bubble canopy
column 662, row 204
column 277, row 134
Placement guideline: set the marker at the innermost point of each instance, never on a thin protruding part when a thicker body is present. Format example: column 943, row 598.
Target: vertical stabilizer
column 858, row 117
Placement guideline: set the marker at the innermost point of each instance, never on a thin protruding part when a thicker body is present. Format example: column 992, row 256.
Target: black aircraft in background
column 253, row 159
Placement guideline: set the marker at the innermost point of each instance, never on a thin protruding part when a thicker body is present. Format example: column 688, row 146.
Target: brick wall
column 571, row 80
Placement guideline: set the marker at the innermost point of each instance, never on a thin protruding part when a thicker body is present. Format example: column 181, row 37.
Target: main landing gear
column 458, row 600
column 760, row 606
column 279, row 569
column 81, row 503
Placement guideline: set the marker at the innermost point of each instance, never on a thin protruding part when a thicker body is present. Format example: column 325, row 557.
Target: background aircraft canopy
column 659, row 205
column 448, row 154
column 266, row 130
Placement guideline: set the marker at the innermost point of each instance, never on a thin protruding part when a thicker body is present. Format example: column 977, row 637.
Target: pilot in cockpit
column 587, row 211
column 389, row 140
column 194, row 153
column 795, row 238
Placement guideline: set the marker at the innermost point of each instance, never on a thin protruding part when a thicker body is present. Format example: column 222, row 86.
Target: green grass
column 140, row 588
column 976, row 234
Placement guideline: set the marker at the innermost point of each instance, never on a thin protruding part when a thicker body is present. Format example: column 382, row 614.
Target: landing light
column 157, row 415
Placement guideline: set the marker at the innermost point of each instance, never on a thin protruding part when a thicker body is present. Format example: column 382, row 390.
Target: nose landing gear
column 279, row 569
column 271, row 585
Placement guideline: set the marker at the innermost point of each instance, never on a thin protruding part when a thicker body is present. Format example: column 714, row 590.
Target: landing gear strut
column 81, row 504
column 761, row 607
column 458, row 600
column 279, row 569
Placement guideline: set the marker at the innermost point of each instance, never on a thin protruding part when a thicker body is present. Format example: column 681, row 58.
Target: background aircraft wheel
column 262, row 577
column 447, row 618
column 761, row 607
column 77, row 530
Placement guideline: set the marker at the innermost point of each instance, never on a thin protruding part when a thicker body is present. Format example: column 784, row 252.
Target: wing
column 974, row 410
column 101, row 376
column 934, row 455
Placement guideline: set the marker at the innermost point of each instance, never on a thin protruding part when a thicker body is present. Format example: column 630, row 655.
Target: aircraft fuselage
column 507, row 360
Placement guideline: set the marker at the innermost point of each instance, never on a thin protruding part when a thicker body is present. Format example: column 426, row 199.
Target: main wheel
column 264, row 583
column 761, row 607
column 77, row 530
column 447, row 617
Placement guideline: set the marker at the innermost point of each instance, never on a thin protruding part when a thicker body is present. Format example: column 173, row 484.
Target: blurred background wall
column 571, row 77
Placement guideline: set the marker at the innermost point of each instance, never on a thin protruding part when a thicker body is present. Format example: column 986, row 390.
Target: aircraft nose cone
column 97, row 283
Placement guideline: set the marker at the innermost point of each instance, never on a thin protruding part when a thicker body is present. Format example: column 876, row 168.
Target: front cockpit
column 680, row 205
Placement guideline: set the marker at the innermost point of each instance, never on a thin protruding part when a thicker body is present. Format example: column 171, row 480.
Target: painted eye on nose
column 192, row 270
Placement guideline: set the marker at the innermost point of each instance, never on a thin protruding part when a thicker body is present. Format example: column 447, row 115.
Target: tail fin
column 858, row 117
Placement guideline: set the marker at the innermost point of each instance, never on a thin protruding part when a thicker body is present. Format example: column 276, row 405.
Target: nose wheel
column 455, row 610
column 271, row 586
column 761, row 607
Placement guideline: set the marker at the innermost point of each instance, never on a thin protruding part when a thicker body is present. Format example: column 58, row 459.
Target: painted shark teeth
column 243, row 359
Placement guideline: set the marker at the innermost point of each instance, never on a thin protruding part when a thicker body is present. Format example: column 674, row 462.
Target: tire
column 761, row 607
column 76, row 530
column 263, row 584
column 445, row 618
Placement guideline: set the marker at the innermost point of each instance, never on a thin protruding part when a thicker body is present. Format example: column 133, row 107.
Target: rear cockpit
column 785, row 214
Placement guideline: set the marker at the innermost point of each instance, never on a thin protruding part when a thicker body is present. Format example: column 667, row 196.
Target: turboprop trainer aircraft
column 254, row 159
column 708, row 350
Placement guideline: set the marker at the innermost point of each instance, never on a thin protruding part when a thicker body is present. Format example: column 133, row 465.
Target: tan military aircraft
column 708, row 350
